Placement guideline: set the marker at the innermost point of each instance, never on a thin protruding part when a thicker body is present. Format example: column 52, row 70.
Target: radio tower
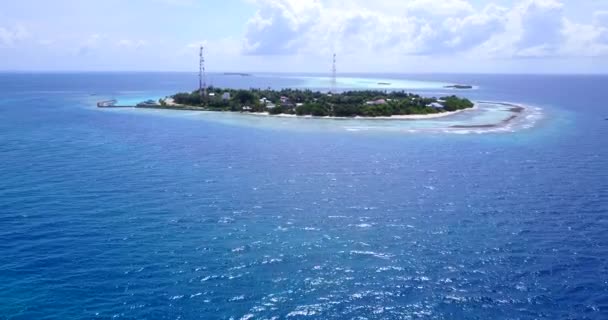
column 202, row 81
column 333, row 76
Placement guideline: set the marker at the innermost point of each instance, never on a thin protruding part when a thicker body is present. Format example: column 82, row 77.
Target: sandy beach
column 515, row 109
column 395, row 117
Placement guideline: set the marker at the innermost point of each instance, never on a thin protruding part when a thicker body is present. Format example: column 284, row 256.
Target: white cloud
column 224, row 46
column 278, row 25
column 132, row 44
column 587, row 40
column 542, row 23
column 425, row 27
column 46, row 42
column 186, row 3
column 530, row 28
column 456, row 34
column 442, row 8
column 600, row 24
column 388, row 35
column 104, row 43
column 11, row 36
column 91, row 43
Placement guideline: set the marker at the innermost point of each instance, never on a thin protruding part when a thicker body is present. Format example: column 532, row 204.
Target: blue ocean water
column 165, row 215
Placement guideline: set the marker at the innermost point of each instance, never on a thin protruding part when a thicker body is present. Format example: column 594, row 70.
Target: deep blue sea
column 109, row 214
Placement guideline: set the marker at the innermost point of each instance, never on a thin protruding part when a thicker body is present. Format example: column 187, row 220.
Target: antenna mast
column 333, row 76
column 202, row 81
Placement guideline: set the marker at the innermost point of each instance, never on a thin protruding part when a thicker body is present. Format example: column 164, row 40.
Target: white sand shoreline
column 171, row 105
column 395, row 117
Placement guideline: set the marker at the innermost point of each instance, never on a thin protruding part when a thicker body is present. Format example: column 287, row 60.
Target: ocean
column 131, row 214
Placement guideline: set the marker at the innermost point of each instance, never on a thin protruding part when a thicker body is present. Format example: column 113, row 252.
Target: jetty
column 111, row 104
column 149, row 104
column 106, row 103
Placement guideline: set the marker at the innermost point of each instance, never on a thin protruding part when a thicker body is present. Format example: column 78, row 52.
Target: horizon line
column 302, row 72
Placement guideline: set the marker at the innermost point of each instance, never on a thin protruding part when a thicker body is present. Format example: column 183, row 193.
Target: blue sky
column 525, row 36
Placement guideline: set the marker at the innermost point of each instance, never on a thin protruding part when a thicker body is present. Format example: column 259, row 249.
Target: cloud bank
column 539, row 36
column 529, row 28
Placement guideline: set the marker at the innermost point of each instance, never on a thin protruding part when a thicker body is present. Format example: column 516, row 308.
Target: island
column 365, row 103
column 459, row 86
column 237, row 74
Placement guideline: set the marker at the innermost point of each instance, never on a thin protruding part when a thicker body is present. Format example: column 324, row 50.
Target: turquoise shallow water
column 133, row 214
column 366, row 82
column 470, row 122
column 484, row 113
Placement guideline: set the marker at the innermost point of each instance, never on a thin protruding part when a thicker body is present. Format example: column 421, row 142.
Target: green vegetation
column 306, row 102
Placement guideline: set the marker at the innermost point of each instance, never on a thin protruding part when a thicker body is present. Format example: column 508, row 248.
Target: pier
column 111, row 104
column 114, row 106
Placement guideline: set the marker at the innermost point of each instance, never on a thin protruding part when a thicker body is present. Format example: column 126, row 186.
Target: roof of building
column 379, row 101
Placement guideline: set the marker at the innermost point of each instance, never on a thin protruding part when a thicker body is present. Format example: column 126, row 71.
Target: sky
column 381, row 36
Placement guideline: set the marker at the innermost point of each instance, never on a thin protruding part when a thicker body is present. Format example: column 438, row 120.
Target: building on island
column 288, row 104
column 148, row 103
column 226, row 96
column 267, row 103
column 376, row 102
column 436, row 105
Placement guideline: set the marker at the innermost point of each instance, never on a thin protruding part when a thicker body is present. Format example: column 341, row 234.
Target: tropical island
column 237, row 74
column 366, row 103
column 459, row 86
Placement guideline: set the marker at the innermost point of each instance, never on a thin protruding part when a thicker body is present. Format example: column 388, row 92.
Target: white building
column 436, row 105
column 376, row 102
